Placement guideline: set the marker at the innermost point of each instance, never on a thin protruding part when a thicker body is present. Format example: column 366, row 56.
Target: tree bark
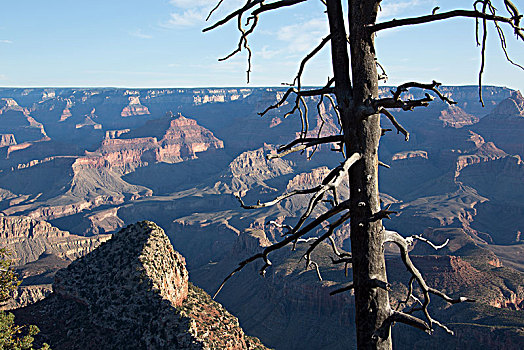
column 362, row 136
column 367, row 237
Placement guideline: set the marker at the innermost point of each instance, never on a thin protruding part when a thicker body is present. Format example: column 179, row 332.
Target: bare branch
column 410, row 320
column 315, row 265
column 410, row 240
column 405, row 105
column 307, row 58
column 483, row 50
column 335, row 250
column 313, row 92
column 319, row 111
column 276, row 224
column 243, row 42
column 382, row 76
column 275, row 5
column 289, row 239
column 278, row 199
column 504, row 46
column 335, row 108
column 214, row 9
column 239, row 12
column 437, row 17
column 320, row 239
column 306, row 142
column 332, row 180
column 396, row 316
column 433, row 86
column 403, row 244
column 376, row 283
column 342, row 290
column 409, row 295
column 395, row 123
column 342, row 261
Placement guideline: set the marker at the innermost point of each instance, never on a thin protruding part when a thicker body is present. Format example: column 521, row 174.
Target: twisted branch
column 313, row 92
column 305, row 143
column 289, row 239
column 433, row 86
column 396, row 124
column 250, row 4
column 403, row 244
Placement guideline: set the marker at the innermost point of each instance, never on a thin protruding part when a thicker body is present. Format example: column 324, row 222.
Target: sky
column 159, row 43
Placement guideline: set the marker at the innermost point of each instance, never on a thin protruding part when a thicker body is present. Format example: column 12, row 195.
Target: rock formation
column 410, row 154
column 7, row 140
column 27, row 239
column 456, row 117
column 134, row 108
column 505, row 124
column 252, row 168
column 17, row 121
column 456, row 172
column 181, row 139
column 133, row 293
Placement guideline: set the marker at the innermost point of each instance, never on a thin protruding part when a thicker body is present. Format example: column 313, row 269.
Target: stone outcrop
column 505, row 124
column 134, row 108
column 113, row 134
column 512, row 106
column 252, row 168
column 456, row 117
column 89, row 122
column 484, row 153
column 139, row 254
column 27, row 295
column 410, row 154
column 9, row 104
column 27, row 239
column 133, row 293
column 7, row 140
column 181, row 139
column 66, row 112
column 17, row 121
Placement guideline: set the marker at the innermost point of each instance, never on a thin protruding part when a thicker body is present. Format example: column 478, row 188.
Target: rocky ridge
column 133, row 293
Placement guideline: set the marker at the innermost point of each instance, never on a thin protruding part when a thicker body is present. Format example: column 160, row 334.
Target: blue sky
column 159, row 43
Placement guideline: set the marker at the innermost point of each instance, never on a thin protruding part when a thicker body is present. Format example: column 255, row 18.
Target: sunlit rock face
column 175, row 140
column 505, row 124
column 27, row 239
column 7, row 140
column 134, row 108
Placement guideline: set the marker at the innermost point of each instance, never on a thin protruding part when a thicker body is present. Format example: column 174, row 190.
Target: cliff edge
column 133, row 293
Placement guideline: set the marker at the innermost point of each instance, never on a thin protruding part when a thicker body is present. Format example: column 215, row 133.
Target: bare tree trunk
column 367, row 237
column 372, row 304
column 359, row 108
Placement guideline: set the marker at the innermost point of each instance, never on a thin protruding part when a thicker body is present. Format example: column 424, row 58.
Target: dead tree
column 355, row 90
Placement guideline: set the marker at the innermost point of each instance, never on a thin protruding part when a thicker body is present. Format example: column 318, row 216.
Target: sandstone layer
column 27, row 239
column 178, row 139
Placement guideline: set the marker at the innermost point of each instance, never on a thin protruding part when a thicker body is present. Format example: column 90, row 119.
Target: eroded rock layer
column 27, row 239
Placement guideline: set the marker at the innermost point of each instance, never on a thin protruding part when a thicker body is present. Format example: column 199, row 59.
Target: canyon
column 77, row 165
